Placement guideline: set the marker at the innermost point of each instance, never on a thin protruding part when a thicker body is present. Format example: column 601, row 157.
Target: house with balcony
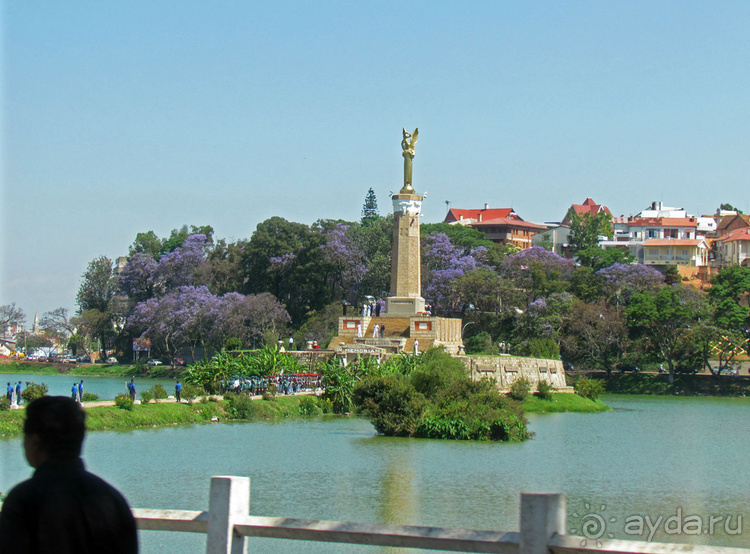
column 734, row 248
column 501, row 225
column 690, row 253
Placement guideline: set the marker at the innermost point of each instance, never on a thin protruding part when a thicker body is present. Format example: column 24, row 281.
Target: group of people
column 371, row 308
column 77, row 391
column 13, row 394
column 284, row 384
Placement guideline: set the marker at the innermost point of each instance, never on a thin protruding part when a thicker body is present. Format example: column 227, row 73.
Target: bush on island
column 519, row 389
column 34, row 391
column 439, row 400
column 123, row 401
column 589, row 388
column 544, row 391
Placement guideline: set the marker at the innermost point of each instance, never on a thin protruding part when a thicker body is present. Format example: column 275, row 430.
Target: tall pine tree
column 370, row 209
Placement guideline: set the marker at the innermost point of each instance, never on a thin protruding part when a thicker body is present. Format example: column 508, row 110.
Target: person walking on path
column 63, row 508
column 177, row 391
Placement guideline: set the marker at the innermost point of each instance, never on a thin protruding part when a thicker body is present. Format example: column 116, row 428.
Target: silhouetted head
column 53, row 430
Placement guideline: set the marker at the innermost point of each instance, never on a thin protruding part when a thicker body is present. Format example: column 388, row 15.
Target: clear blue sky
column 122, row 117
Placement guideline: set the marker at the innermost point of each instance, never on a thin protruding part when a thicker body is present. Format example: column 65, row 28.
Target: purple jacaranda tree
column 180, row 319
column 192, row 317
column 545, row 317
column 621, row 281
column 443, row 264
column 538, row 272
column 249, row 318
column 178, row 268
column 347, row 262
column 138, row 278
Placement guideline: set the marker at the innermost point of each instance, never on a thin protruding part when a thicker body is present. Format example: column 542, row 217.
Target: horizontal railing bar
column 171, row 520
column 404, row 536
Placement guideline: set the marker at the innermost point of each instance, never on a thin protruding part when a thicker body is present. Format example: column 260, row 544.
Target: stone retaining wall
column 506, row 369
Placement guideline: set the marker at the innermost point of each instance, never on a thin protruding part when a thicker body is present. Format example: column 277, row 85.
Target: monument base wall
column 506, row 369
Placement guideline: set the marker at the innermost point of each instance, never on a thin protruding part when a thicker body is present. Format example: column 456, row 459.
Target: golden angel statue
column 407, row 144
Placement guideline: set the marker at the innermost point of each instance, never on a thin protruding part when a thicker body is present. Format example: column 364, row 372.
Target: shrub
column 269, row 395
column 543, row 347
column 308, row 406
column 123, row 402
column 240, row 406
column 589, row 388
column 544, row 390
column 34, row 391
column 158, row 392
column 190, row 392
column 4, row 404
column 233, row 343
column 394, row 408
column 146, row 396
column 519, row 389
column 90, row 397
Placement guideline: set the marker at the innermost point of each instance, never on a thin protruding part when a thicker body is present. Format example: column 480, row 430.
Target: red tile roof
column 589, row 207
column 510, row 221
column 737, row 234
column 455, row 214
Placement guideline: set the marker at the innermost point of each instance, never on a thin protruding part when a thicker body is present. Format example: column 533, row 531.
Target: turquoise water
column 656, row 457
column 105, row 387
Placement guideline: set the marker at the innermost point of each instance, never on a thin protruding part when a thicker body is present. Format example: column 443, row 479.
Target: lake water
column 106, row 387
column 655, row 457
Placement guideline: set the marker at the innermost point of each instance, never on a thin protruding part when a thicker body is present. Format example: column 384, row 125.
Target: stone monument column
column 406, row 261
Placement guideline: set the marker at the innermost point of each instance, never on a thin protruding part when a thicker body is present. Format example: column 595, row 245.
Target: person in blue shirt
column 9, row 392
column 74, row 390
column 18, row 393
column 177, row 391
column 80, row 391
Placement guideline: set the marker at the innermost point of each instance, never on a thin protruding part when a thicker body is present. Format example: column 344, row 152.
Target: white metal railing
column 543, row 516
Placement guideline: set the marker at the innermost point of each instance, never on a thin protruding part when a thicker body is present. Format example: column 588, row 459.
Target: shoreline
column 103, row 415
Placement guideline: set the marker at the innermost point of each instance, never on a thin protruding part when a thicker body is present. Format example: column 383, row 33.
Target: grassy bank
column 563, row 402
column 111, row 418
column 684, row 385
column 83, row 370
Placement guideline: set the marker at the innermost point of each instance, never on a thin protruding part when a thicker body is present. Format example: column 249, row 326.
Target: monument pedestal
column 403, row 305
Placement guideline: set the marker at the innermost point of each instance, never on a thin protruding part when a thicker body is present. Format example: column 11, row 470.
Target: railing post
column 229, row 499
column 542, row 515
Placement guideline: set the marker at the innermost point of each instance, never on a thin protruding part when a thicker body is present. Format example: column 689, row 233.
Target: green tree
column 729, row 296
column 594, row 335
column 146, row 243
column 98, row 286
column 370, row 209
column 599, row 258
column 664, row 318
column 586, row 229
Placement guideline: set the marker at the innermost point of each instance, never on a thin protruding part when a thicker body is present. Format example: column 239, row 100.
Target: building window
column 652, row 233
